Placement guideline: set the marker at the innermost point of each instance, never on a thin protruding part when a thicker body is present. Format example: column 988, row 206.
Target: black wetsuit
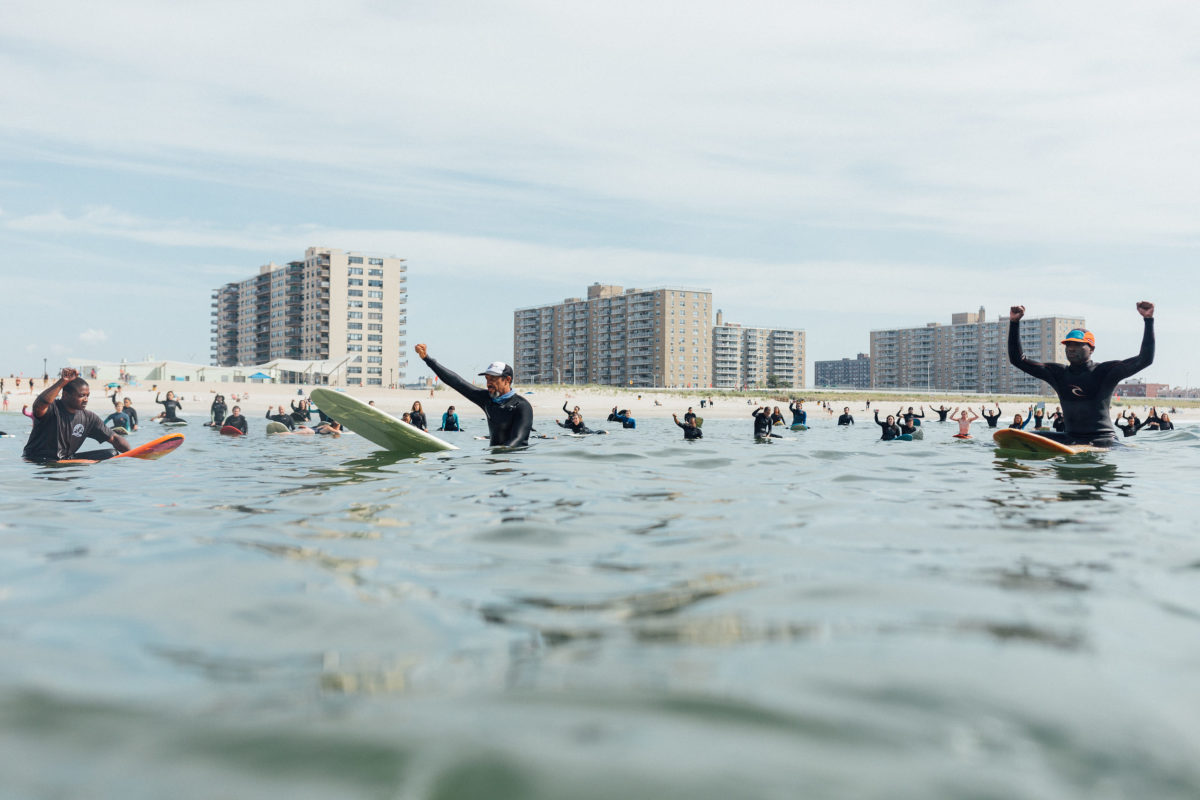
column 417, row 419
column 1129, row 429
column 941, row 412
column 119, row 419
column 911, row 417
column 1021, row 427
column 992, row 419
column 132, row 415
column 571, row 426
column 236, row 421
column 762, row 424
column 907, row 427
column 890, row 432
column 845, row 419
column 1038, row 417
column 283, row 419
column 217, row 412
column 169, row 407
column 450, row 422
column 690, row 431
column 300, row 414
column 510, row 417
column 689, row 417
column 1084, row 392
column 1056, row 422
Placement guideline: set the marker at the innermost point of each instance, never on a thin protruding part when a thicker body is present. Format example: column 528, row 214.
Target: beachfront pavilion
column 148, row 373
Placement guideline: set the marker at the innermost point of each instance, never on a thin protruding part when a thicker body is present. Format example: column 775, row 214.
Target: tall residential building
column 744, row 356
column 968, row 355
column 845, row 373
column 617, row 337
column 336, row 314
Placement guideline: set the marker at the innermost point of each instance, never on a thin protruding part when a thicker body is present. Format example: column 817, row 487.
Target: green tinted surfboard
column 378, row 426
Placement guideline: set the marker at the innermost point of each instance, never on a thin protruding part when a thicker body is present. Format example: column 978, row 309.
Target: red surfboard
column 156, row 448
column 229, row 430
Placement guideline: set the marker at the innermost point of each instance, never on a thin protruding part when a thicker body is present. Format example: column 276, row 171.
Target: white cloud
column 93, row 336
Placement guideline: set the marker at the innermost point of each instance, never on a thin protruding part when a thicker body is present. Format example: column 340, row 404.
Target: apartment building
column 843, row 373
column 617, row 337
column 341, row 313
column 745, row 356
column 968, row 355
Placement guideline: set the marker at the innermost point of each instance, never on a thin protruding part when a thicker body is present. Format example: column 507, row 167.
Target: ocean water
column 622, row 616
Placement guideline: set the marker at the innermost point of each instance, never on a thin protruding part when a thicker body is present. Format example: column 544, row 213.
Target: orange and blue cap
column 1080, row 336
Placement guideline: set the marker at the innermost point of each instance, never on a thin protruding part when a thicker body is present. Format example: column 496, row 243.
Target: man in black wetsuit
column 509, row 416
column 690, row 431
column 236, row 420
column 992, row 419
column 890, row 429
column 1084, row 387
column 61, row 424
column 845, row 418
column 282, row 418
column 941, row 412
column 763, row 424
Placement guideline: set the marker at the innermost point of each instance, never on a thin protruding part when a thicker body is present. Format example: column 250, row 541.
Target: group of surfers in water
column 1084, row 388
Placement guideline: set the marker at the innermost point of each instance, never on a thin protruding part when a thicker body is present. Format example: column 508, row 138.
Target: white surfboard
column 383, row 429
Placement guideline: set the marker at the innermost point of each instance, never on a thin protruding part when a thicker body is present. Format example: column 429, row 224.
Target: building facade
column 844, row 373
column 334, row 306
column 968, row 355
column 744, row 356
column 617, row 337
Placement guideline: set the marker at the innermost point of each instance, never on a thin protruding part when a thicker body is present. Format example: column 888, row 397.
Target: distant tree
column 775, row 382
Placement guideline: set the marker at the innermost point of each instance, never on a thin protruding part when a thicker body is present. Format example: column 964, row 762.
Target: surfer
column 575, row 424
column 941, row 412
column 1056, row 420
column 301, row 413
column 282, row 418
column 689, row 416
column 776, row 416
column 991, row 419
column 845, row 418
column 119, row 419
column 890, row 429
column 61, row 424
column 690, row 431
column 509, row 416
column 169, row 407
column 911, row 418
column 1132, row 423
column 763, row 424
column 1084, row 387
column 450, row 420
column 417, row 415
column 331, row 428
column 964, row 422
column 1020, row 422
column 216, row 411
column 127, row 407
column 236, row 420
column 799, row 415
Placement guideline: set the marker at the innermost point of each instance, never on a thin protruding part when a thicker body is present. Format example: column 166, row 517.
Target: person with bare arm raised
column 61, row 424
column 1084, row 388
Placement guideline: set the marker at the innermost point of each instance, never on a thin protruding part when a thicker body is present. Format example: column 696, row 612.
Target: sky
column 836, row 167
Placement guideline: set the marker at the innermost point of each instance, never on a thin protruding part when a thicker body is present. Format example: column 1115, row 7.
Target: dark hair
column 75, row 387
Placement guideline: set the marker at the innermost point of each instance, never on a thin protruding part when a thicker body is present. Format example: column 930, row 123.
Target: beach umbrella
column 260, row 376
column 113, row 386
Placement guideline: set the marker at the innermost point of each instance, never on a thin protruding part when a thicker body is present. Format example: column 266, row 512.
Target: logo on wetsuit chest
column 1077, row 391
column 77, row 431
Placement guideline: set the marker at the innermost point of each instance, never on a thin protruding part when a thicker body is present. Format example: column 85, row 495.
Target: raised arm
column 44, row 400
column 475, row 394
column 1145, row 356
column 1016, row 355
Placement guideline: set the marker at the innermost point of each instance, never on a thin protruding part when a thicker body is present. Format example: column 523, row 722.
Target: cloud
column 93, row 336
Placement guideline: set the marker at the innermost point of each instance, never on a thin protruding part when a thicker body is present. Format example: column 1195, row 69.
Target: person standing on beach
column 1084, row 388
column 61, row 424
column 509, row 416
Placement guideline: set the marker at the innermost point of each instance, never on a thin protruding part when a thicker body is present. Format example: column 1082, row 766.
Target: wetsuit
column 845, row 419
column 169, row 407
column 417, row 418
column 1056, row 421
column 890, row 432
column 299, row 413
column 689, row 417
column 992, row 419
column 571, row 426
column 690, row 431
column 906, row 427
column 1129, row 429
column 799, row 415
column 510, row 417
column 119, row 419
column 450, row 422
column 1024, row 422
column 59, row 433
column 911, row 417
column 283, row 419
column 132, row 412
column 776, row 418
column 762, row 425
column 1084, row 392
column 236, row 421
column 1038, row 416
column 941, row 412
column 217, row 412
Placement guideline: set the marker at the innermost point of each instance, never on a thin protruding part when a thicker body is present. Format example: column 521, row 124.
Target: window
column 354, row 292
column 354, row 270
column 377, row 295
column 375, row 283
column 354, row 337
column 355, row 259
column 354, row 282
column 374, row 381
column 373, row 337
column 354, row 370
column 374, row 305
column 374, row 348
column 374, row 359
column 354, row 303
column 355, row 315
column 374, row 326
column 375, row 262
column 354, row 348
column 354, row 326
column 374, row 315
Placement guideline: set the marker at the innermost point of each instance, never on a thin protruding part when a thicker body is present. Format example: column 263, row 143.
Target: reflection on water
column 719, row 619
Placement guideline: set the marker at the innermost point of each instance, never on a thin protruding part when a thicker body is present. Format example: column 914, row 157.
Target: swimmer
column 236, row 420
column 1084, row 388
column 964, row 422
column 776, row 416
column 689, row 416
column 570, row 412
column 799, row 415
column 61, row 424
column 1132, row 423
column 302, row 412
column 575, row 424
column 991, row 419
column 890, row 429
column 509, row 416
column 845, row 418
column 170, row 405
column 690, row 431
column 1056, row 420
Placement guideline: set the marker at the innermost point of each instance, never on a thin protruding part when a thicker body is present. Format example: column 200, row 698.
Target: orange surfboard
column 1032, row 444
column 156, row 448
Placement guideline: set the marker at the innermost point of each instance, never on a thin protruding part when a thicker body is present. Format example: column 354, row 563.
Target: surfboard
column 277, row 427
column 174, row 423
column 156, row 448
column 799, row 426
column 229, row 430
column 699, row 422
column 962, row 436
column 120, row 431
column 377, row 426
column 1032, row 444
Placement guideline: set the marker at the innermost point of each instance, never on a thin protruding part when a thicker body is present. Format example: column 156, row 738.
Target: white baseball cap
column 498, row 368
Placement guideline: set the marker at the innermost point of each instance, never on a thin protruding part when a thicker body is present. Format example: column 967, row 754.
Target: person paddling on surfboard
column 236, row 420
column 61, row 424
column 509, row 416
column 964, row 422
column 169, row 406
column 1084, row 388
